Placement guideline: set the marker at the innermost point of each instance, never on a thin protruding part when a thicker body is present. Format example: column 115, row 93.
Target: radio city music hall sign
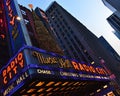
column 65, row 63
column 12, row 68
column 12, row 17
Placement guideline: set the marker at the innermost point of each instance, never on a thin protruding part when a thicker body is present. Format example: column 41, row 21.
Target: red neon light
column 10, row 13
column 3, row 36
column 12, row 68
column 84, row 67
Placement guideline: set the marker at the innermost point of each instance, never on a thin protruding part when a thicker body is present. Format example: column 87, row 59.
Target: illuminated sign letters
column 44, row 60
column 63, row 63
column 21, row 78
column 84, row 67
column 8, row 89
column 11, row 15
column 12, row 19
column 15, row 83
column 13, row 68
column 41, row 71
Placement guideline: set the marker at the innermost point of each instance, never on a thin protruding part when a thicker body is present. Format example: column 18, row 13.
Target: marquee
column 31, row 62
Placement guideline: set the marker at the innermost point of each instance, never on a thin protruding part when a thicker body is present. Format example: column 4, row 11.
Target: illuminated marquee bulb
column 18, row 18
column 0, row 11
column 2, row 35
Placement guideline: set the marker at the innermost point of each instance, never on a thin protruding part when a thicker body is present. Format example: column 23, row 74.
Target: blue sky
column 92, row 13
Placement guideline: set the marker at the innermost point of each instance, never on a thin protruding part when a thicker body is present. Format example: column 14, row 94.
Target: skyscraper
column 114, row 19
column 113, row 5
column 77, row 41
column 109, row 48
column 17, row 32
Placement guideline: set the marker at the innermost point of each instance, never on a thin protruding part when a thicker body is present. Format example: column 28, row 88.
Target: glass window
column 26, row 21
column 23, row 12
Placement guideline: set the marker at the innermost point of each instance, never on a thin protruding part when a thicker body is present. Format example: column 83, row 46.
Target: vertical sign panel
column 16, row 29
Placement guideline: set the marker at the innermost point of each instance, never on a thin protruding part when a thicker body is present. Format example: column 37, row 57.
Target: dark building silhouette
column 77, row 41
column 4, row 50
column 109, row 48
column 112, row 4
column 42, row 15
column 117, row 34
column 39, row 31
column 114, row 19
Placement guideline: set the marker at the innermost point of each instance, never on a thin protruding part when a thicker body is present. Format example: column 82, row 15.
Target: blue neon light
column 52, row 69
column 41, row 51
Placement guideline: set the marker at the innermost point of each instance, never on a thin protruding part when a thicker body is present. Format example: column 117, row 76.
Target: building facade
column 114, row 19
column 112, row 5
column 109, row 48
column 77, row 41
column 36, row 71
column 39, row 31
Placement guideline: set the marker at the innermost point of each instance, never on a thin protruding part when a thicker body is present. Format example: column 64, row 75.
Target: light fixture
column 40, row 90
column 49, row 94
column 105, row 86
column 31, row 90
column 50, row 83
column 98, row 90
column 41, row 94
column 92, row 62
column 18, row 18
column 58, row 83
column 40, row 84
column 64, row 83
column 56, row 89
column 49, row 89
column 33, row 95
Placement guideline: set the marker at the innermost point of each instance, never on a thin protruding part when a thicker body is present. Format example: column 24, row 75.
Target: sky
column 91, row 13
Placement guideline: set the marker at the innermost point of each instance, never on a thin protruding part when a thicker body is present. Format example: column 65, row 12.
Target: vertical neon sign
column 16, row 29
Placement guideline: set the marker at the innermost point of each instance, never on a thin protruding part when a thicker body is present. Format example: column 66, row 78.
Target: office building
column 117, row 34
column 113, row 5
column 77, row 41
column 109, row 48
column 114, row 19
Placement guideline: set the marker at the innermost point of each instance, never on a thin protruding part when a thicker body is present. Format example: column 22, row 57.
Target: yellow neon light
column 31, row 90
column 49, row 89
column 40, row 84
column 58, row 83
column 65, row 83
column 50, row 83
column 40, row 90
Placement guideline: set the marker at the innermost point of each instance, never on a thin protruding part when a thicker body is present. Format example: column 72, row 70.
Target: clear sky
column 92, row 13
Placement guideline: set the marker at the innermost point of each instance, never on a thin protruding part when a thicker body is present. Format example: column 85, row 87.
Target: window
column 23, row 12
column 26, row 21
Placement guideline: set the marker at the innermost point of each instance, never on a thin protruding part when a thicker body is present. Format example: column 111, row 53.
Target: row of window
column 64, row 33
